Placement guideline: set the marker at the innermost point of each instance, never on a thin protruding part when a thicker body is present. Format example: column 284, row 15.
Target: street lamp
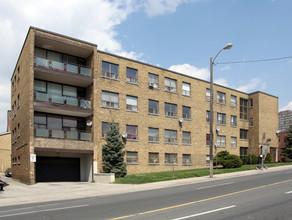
column 228, row 46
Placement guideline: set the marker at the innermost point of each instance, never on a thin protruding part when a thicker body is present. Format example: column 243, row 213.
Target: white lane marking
column 204, row 213
column 205, row 187
column 288, row 192
column 31, row 207
column 44, row 210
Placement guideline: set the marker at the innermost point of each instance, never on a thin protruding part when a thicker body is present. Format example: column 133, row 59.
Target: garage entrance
column 57, row 169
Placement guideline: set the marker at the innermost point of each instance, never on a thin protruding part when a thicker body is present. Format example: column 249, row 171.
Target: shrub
column 250, row 159
column 268, row 158
column 220, row 157
column 232, row 161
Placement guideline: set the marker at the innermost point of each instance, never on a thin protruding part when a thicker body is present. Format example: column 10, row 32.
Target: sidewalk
column 18, row 193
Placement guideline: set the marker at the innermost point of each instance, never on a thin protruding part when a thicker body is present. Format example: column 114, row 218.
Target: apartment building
column 65, row 92
column 285, row 121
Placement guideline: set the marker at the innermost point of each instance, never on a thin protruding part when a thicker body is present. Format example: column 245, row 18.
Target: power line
column 256, row 61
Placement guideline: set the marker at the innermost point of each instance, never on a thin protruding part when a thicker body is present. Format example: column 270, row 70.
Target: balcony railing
column 61, row 134
column 64, row 100
column 66, row 67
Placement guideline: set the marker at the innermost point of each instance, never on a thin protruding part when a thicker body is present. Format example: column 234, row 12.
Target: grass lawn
column 181, row 174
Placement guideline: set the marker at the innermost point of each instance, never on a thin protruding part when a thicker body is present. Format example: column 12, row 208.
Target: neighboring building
column 5, row 146
column 285, row 121
column 164, row 113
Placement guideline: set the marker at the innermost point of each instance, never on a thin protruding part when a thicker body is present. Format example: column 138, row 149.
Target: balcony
column 61, row 134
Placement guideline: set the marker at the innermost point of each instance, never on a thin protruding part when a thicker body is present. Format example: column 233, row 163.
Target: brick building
column 285, row 121
column 65, row 92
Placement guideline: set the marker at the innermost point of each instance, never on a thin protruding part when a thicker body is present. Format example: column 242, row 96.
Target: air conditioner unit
column 151, row 85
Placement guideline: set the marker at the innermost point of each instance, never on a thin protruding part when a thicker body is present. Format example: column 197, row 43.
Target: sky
column 180, row 35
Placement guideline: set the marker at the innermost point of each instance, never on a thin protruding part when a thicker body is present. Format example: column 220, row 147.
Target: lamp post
column 228, row 46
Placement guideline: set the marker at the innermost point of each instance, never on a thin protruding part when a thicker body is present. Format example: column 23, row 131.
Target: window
column 110, row 70
column 18, row 72
column 131, row 103
column 233, row 121
column 170, row 85
column 18, row 101
column 221, row 98
column 243, row 134
column 186, row 159
column 110, row 99
column 153, row 107
column 243, row 152
column 170, row 158
column 207, row 160
column 153, row 81
column 170, row 136
column 186, row 137
column 153, row 158
column 170, row 109
column 221, row 118
column 208, row 94
column 153, row 135
column 132, row 132
column 132, row 157
column 233, row 101
column 186, row 112
column 207, row 139
column 207, row 116
column 251, row 122
column 18, row 130
column 243, row 108
column 104, row 129
column 132, row 75
column 221, row 141
column 251, row 103
column 40, row 86
column 233, row 142
column 186, row 89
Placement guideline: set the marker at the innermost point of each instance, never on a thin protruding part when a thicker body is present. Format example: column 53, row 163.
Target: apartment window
column 170, row 85
column 110, row 99
column 153, row 80
column 131, row 103
column 251, row 122
column 132, row 132
column 251, row 103
column 18, row 130
column 18, row 101
column 18, row 72
column 132, row 157
column 233, row 121
column 243, row 134
column 170, row 158
column 221, row 141
column 243, row 152
column 243, row 108
column 170, row 109
column 186, row 89
column 40, row 86
column 153, row 107
column 186, row 112
column 208, row 140
column 170, row 136
column 208, row 94
column 186, row 137
column 153, row 135
column 18, row 160
column 233, row 142
column 153, row 158
column 221, row 98
column 186, row 160
column 207, row 116
column 132, row 75
column 221, row 118
column 233, row 101
column 104, row 129
column 207, row 160
column 110, row 70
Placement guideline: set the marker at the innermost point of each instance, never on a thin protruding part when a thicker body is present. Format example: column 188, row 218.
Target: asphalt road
column 264, row 196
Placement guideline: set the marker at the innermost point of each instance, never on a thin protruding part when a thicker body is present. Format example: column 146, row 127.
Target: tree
column 287, row 150
column 112, row 152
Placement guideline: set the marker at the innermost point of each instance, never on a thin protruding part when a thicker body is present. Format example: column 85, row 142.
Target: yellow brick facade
column 5, row 151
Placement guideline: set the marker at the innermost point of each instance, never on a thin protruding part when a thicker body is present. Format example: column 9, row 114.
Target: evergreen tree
column 287, row 150
column 112, row 152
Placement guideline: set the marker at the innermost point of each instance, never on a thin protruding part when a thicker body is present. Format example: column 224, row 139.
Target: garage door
column 54, row 169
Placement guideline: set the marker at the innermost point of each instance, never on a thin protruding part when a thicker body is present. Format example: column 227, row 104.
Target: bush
column 220, row 157
column 232, row 161
column 268, row 158
column 250, row 159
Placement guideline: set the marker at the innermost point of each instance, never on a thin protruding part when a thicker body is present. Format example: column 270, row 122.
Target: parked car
column 8, row 172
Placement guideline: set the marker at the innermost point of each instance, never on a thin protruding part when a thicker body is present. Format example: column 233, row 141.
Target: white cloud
column 254, row 84
column 187, row 69
column 222, row 82
column 287, row 107
column 225, row 68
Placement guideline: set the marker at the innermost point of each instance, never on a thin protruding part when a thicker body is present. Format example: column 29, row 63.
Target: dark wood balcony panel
column 61, row 76
column 60, row 109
